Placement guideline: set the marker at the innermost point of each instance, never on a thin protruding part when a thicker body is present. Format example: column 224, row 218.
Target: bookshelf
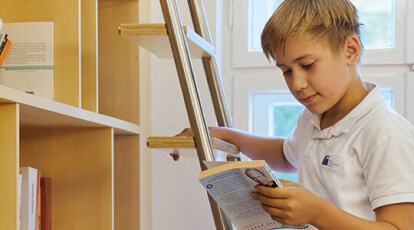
column 87, row 139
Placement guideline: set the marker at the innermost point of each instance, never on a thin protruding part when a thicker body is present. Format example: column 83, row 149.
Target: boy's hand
column 289, row 205
column 187, row 132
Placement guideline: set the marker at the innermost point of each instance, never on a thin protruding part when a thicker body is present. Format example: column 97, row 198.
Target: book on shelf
column 31, row 198
column 20, row 199
column 231, row 184
column 28, row 198
column 45, row 203
column 37, row 221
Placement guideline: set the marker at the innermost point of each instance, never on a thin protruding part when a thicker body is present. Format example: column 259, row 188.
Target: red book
column 4, row 51
column 46, row 204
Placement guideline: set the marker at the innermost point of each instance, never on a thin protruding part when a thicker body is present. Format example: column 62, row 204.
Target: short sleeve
column 389, row 168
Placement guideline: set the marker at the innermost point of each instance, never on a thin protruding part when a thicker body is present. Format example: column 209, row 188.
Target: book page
column 29, row 63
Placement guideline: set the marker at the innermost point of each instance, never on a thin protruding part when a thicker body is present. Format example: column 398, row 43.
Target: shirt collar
column 345, row 124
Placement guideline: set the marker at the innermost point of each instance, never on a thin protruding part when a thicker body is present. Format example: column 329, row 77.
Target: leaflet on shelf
column 29, row 63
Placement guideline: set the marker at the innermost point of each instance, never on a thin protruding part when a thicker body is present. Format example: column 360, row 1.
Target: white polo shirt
column 364, row 161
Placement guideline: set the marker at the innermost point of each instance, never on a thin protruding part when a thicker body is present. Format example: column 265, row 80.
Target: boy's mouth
column 307, row 100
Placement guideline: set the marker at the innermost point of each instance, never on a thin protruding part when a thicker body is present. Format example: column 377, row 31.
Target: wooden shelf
column 38, row 111
column 185, row 146
column 87, row 139
column 153, row 37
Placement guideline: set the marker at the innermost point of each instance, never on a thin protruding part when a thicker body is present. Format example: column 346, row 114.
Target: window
column 383, row 32
column 275, row 113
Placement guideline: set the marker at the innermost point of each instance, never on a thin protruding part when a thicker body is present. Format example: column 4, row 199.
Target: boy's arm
column 294, row 205
column 254, row 146
column 390, row 217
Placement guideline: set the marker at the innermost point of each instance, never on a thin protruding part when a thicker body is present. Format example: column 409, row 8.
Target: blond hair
column 331, row 20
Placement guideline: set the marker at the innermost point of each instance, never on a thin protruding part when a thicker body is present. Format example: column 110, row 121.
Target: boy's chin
column 314, row 110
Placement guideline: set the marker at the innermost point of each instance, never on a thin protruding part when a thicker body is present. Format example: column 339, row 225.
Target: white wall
column 178, row 200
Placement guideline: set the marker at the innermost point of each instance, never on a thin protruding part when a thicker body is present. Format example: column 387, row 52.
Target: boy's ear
column 352, row 49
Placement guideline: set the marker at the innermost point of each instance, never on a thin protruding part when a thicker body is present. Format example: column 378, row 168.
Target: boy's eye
column 307, row 66
column 287, row 72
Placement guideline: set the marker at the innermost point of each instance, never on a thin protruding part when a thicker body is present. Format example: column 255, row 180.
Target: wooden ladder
column 181, row 40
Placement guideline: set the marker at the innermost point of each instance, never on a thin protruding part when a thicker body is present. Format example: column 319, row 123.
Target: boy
column 354, row 155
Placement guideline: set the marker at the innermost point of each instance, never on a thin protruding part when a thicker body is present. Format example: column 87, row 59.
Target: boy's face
column 316, row 77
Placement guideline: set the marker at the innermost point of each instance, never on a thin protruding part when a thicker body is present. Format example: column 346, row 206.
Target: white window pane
column 377, row 17
column 388, row 95
column 270, row 103
column 284, row 118
column 261, row 10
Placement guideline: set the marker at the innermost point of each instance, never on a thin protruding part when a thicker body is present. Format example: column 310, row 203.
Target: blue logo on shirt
column 326, row 160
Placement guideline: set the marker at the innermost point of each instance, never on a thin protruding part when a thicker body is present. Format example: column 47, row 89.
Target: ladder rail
column 187, row 80
column 192, row 101
column 210, row 65
column 213, row 76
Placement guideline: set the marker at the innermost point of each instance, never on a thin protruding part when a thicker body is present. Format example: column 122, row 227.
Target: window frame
column 402, row 53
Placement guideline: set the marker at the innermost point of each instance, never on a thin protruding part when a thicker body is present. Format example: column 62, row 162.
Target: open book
column 231, row 185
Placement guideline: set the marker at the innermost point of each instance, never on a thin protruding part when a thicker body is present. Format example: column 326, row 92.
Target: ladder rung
column 185, row 147
column 153, row 37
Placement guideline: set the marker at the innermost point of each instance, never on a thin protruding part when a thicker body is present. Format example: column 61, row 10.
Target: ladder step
column 154, row 38
column 185, row 147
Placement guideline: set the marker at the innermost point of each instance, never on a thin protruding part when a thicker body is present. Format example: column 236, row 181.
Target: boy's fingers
column 287, row 183
column 276, row 193
column 185, row 133
column 268, row 201
column 273, row 211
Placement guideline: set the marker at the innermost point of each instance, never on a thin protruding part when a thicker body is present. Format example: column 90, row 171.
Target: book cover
column 29, row 196
column 20, row 201
column 46, row 204
column 37, row 221
column 231, row 185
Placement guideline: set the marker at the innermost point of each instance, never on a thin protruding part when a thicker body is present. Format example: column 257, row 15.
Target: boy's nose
column 299, row 82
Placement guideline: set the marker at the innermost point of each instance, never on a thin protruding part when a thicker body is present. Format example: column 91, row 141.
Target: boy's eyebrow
column 296, row 60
